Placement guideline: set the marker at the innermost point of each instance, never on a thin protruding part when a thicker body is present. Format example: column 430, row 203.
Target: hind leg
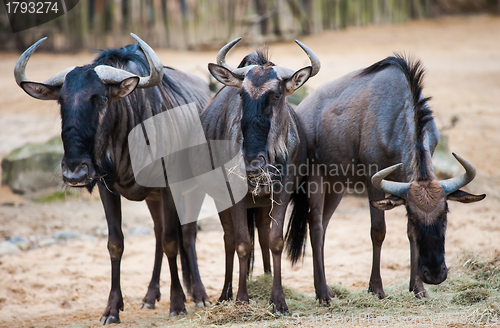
column 377, row 234
column 193, row 201
column 263, row 222
column 153, row 294
column 199, row 294
column 332, row 201
column 316, row 204
column 170, row 243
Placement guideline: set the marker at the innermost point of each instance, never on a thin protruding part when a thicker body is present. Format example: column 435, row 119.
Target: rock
column 33, row 167
column 47, row 242
column 20, row 242
column 7, row 247
column 445, row 165
column 65, row 235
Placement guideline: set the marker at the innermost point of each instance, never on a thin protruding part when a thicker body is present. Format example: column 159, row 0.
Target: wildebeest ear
column 297, row 80
column 388, row 203
column 118, row 91
column 464, row 197
column 41, row 91
column 225, row 76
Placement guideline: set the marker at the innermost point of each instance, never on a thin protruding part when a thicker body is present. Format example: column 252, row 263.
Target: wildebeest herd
column 371, row 127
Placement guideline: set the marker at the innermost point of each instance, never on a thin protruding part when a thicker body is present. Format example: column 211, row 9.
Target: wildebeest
column 369, row 119
column 252, row 110
column 100, row 104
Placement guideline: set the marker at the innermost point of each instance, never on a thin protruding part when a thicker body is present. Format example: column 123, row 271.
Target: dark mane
column 259, row 57
column 120, row 57
column 414, row 73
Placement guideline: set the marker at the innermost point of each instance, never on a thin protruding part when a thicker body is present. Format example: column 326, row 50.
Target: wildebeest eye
column 99, row 101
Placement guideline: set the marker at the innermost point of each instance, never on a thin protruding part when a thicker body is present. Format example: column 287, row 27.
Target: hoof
column 147, row 306
column 203, row 304
column 174, row 314
column 422, row 294
column 109, row 320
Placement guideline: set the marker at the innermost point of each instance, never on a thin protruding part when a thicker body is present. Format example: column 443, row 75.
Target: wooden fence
column 202, row 24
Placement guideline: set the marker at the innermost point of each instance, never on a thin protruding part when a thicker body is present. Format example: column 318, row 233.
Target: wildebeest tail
column 186, row 268
column 296, row 234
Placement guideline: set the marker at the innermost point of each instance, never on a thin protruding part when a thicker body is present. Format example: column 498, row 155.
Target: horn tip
column 135, row 36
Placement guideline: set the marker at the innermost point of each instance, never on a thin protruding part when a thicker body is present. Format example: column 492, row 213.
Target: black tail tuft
column 186, row 268
column 296, row 234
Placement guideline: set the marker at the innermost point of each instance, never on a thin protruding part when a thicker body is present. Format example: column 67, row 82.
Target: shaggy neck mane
column 414, row 73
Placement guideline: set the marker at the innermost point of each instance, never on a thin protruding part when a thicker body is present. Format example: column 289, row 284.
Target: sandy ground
column 68, row 282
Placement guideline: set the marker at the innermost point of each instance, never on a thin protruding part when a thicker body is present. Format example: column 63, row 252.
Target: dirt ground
column 68, row 282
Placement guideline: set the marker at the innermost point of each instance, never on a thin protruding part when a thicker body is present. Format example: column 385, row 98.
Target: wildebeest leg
column 194, row 201
column 112, row 210
column 416, row 284
column 229, row 247
column 263, row 226
column 316, row 232
column 377, row 234
column 332, row 201
column 243, row 247
column 170, row 244
column 153, row 293
column 276, row 245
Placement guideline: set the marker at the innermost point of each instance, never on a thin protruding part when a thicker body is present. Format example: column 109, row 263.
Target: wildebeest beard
column 255, row 127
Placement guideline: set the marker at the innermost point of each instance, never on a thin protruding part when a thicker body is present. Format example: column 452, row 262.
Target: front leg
column 229, row 248
column 276, row 246
column 377, row 234
column 170, row 242
column 416, row 284
column 112, row 210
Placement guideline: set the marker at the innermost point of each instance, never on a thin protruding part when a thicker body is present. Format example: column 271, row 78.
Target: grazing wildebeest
column 100, row 104
column 252, row 109
column 369, row 119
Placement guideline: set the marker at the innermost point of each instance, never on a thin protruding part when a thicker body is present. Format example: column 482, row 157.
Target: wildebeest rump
column 365, row 121
column 252, row 110
column 100, row 104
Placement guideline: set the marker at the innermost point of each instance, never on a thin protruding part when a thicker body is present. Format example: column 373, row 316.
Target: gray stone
column 20, row 242
column 65, row 235
column 8, row 248
column 47, row 242
column 33, row 167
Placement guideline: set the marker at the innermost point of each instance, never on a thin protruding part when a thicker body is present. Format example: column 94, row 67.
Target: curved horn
column 286, row 73
column 221, row 56
column 113, row 75
column 399, row 189
column 453, row 184
column 315, row 63
column 20, row 69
